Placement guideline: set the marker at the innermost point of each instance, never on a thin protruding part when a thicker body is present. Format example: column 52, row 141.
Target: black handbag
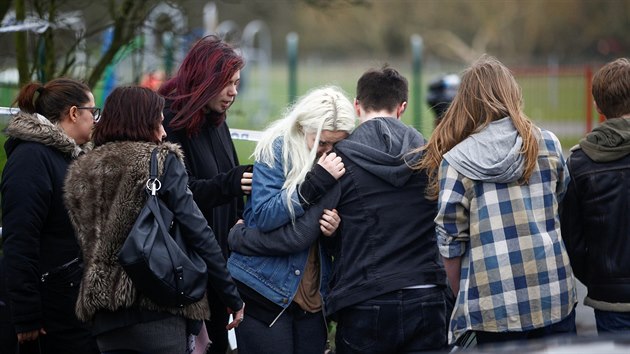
column 155, row 257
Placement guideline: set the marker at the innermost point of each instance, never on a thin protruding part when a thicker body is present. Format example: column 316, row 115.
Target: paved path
column 561, row 129
column 584, row 316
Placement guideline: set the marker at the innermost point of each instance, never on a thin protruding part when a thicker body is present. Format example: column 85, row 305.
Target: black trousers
column 216, row 326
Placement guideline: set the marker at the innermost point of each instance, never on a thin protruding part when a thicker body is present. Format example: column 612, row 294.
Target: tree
column 5, row 6
column 54, row 52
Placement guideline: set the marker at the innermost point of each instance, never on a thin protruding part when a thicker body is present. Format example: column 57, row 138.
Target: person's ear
column 597, row 108
column 357, row 107
column 73, row 113
column 401, row 109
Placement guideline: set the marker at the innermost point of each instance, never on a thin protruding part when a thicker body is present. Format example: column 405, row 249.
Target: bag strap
column 153, row 183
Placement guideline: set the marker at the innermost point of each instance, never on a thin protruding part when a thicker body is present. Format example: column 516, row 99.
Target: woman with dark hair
column 41, row 253
column 197, row 99
column 105, row 190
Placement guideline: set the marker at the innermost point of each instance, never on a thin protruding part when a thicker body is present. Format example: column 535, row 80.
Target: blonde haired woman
column 498, row 180
column 320, row 118
column 286, row 291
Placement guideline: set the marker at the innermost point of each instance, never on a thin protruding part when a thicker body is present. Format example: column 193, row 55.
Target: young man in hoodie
column 595, row 225
column 387, row 291
column 388, row 288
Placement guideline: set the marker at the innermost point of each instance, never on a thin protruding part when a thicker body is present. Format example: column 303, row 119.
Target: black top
column 214, row 175
column 596, row 227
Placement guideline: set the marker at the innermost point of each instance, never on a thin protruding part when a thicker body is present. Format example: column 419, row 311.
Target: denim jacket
column 267, row 207
column 276, row 276
column 273, row 263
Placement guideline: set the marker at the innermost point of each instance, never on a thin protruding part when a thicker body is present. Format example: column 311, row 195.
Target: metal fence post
column 416, row 49
column 292, row 43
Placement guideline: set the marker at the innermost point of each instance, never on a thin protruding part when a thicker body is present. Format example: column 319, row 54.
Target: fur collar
column 37, row 128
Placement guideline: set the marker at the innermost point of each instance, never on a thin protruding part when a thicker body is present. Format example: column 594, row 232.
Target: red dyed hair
column 204, row 72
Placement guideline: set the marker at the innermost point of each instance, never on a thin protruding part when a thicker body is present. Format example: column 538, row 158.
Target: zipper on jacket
column 319, row 290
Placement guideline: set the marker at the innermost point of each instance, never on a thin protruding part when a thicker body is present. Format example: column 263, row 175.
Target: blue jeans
column 295, row 332
column 566, row 326
column 402, row 321
column 612, row 322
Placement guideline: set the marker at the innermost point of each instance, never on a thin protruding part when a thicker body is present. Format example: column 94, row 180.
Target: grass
column 555, row 99
column 558, row 99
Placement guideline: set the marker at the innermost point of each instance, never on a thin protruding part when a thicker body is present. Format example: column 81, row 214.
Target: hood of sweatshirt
column 381, row 146
column 490, row 155
column 608, row 142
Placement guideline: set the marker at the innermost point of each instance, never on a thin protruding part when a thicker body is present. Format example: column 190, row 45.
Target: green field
column 558, row 100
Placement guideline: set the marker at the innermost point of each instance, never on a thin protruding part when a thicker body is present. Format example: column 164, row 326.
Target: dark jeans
column 295, row 332
column 216, row 326
column 66, row 334
column 8, row 338
column 612, row 322
column 566, row 326
column 402, row 321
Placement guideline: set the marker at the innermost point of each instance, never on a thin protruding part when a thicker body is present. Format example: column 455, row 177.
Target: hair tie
column 37, row 93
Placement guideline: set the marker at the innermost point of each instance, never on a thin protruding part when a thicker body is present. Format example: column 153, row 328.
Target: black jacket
column 37, row 234
column 596, row 226
column 214, row 175
column 386, row 239
column 105, row 190
column 387, row 234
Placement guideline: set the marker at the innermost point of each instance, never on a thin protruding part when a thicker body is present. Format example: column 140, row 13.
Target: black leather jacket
column 105, row 190
column 596, row 226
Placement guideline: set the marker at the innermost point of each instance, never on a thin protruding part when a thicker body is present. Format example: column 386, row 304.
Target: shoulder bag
column 155, row 255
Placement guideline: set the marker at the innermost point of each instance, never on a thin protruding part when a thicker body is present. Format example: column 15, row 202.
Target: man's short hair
column 382, row 89
column 611, row 88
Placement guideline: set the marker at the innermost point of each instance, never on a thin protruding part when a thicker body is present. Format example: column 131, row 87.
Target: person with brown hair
column 498, row 180
column 41, row 254
column 197, row 100
column 595, row 224
column 104, row 193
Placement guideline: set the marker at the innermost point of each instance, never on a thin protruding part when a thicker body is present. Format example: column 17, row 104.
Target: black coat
column 386, row 240
column 596, row 226
column 214, row 175
column 37, row 233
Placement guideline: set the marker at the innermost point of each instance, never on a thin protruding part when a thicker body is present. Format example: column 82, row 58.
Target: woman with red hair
column 197, row 99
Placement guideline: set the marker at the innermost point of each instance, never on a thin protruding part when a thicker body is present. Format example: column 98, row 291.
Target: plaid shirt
column 515, row 272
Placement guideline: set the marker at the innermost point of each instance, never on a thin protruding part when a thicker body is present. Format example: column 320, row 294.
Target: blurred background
column 552, row 46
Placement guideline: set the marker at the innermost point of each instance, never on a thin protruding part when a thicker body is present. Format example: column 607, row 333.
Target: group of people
column 408, row 245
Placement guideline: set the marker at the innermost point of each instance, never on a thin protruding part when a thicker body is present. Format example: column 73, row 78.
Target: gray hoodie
column 380, row 145
column 490, row 155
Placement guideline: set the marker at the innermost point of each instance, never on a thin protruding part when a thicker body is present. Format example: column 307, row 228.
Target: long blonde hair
column 325, row 108
column 488, row 91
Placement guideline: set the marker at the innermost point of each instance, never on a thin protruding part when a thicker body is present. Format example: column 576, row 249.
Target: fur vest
column 37, row 128
column 104, row 192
